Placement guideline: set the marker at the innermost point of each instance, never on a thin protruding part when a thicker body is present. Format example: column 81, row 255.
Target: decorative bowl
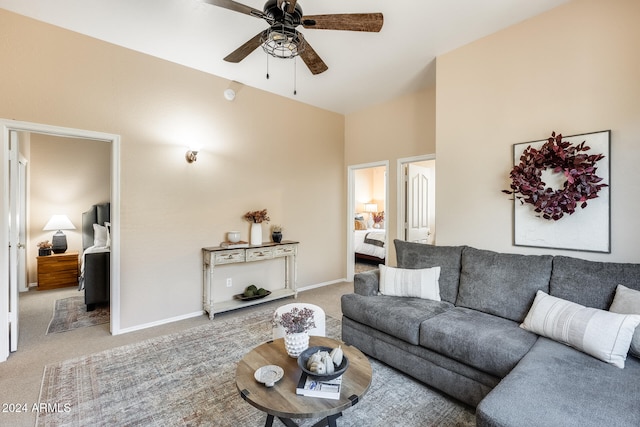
column 241, row 297
column 339, row 370
column 233, row 236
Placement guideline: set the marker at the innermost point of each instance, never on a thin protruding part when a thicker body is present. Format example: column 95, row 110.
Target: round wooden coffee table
column 282, row 401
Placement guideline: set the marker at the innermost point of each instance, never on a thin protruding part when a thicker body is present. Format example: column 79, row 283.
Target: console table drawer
column 285, row 250
column 258, row 254
column 230, row 256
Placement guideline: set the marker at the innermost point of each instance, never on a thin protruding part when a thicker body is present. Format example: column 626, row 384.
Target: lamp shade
column 370, row 207
column 59, row 222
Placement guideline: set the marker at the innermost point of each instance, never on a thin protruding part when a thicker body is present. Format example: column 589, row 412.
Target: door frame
column 8, row 126
column 351, row 172
column 22, row 230
column 401, row 192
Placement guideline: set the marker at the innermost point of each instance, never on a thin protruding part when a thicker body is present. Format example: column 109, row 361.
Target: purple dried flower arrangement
column 295, row 321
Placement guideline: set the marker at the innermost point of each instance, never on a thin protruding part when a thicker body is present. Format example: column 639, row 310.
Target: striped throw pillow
column 406, row 282
column 599, row 333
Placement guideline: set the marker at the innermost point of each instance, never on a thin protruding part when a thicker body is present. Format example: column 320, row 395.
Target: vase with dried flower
column 256, row 218
column 378, row 217
column 296, row 323
column 276, row 233
column 44, row 248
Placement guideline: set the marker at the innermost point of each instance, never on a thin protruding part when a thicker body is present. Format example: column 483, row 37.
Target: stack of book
column 312, row 387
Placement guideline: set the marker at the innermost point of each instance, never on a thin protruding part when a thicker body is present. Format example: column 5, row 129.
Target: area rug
column 188, row 379
column 71, row 313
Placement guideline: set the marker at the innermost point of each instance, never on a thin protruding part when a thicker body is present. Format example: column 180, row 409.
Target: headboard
column 97, row 214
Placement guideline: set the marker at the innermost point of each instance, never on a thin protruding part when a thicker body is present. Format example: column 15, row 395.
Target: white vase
column 256, row 233
column 296, row 343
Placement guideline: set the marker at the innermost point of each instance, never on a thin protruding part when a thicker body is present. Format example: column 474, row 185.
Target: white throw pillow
column 108, row 227
column 602, row 334
column 402, row 282
column 99, row 235
column 627, row 301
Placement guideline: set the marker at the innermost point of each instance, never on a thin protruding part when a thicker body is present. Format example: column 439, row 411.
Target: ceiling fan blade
column 243, row 51
column 314, row 62
column 237, row 7
column 370, row 22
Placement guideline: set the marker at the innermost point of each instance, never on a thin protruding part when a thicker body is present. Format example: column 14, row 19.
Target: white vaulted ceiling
column 364, row 68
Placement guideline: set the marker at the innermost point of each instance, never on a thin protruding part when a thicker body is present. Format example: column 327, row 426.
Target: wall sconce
column 191, row 156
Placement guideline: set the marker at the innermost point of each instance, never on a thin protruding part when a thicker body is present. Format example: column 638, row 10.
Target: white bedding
column 361, row 247
column 90, row 250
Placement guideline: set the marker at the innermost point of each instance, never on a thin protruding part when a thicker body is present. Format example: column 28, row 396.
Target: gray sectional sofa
column 470, row 344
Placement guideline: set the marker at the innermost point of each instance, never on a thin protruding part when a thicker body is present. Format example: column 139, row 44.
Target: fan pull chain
column 295, row 75
column 267, row 66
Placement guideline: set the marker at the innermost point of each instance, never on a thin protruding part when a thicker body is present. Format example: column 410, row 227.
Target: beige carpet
column 71, row 313
column 187, row 379
column 361, row 267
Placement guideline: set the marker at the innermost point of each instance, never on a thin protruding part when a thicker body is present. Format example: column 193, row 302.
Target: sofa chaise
column 470, row 343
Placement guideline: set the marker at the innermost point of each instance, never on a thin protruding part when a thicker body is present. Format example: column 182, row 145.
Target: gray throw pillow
column 627, row 301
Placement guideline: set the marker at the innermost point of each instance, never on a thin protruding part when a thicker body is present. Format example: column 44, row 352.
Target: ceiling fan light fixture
column 280, row 41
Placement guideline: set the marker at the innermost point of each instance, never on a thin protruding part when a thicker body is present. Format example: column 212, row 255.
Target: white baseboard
column 159, row 322
column 320, row 285
column 200, row 313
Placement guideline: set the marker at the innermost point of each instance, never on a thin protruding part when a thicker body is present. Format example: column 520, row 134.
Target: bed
column 369, row 245
column 95, row 271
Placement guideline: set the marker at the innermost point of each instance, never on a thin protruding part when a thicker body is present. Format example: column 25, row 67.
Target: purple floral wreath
column 579, row 168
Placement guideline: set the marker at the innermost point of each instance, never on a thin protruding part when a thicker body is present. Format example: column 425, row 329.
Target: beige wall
column 369, row 187
column 66, row 176
column 250, row 159
column 403, row 127
column 572, row 70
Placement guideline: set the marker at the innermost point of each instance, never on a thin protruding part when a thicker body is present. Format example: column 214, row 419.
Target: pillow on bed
column 108, row 227
column 404, row 282
column 100, row 235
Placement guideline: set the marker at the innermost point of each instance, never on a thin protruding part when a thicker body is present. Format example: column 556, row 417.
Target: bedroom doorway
column 368, row 205
column 416, row 199
column 10, row 130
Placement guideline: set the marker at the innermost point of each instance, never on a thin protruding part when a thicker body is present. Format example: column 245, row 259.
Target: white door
column 14, row 241
column 22, row 225
column 417, row 204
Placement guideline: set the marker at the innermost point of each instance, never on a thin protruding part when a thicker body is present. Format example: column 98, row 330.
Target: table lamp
column 59, row 240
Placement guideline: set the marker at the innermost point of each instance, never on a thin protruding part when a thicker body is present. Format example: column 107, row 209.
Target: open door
column 14, row 238
column 417, row 204
column 23, row 286
column 10, row 131
column 377, row 188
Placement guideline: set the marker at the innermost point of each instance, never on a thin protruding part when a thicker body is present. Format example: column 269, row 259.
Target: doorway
column 368, row 200
column 417, row 199
column 9, row 237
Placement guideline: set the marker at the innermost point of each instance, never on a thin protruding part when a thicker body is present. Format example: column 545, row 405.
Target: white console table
column 216, row 257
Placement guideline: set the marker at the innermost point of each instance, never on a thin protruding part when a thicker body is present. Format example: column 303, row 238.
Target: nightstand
column 57, row 271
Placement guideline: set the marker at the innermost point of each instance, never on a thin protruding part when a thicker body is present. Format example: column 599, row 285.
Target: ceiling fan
column 282, row 40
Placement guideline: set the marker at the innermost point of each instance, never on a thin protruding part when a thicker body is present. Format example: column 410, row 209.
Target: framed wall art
column 561, row 189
